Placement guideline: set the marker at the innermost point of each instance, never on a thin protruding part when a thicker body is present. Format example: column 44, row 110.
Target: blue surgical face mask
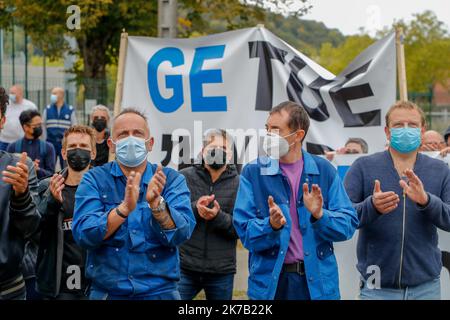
column 13, row 98
column 53, row 98
column 131, row 151
column 406, row 139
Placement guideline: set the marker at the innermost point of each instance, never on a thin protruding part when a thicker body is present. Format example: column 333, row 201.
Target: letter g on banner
column 174, row 82
column 198, row 76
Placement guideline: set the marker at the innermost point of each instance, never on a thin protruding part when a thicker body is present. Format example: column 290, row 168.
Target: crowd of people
column 121, row 227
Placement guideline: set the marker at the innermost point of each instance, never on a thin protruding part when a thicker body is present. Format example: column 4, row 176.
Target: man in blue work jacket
column 131, row 215
column 58, row 116
column 290, row 208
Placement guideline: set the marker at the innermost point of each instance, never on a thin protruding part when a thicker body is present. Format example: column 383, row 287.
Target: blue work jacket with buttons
column 267, row 247
column 140, row 258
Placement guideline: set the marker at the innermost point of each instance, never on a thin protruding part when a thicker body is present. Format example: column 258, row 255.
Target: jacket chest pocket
column 324, row 250
column 110, row 198
column 327, row 260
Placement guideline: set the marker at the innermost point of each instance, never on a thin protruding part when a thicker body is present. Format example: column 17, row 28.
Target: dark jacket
column 102, row 152
column 51, row 244
column 19, row 219
column 49, row 258
column 404, row 242
column 37, row 149
column 212, row 246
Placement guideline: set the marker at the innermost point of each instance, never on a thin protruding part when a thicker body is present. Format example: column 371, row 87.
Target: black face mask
column 78, row 159
column 216, row 158
column 37, row 132
column 99, row 124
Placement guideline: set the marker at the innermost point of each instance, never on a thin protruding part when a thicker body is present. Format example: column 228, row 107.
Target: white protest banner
column 232, row 80
column 437, row 155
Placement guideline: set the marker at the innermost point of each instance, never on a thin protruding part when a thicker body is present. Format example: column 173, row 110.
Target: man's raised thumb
column 270, row 201
column 377, row 186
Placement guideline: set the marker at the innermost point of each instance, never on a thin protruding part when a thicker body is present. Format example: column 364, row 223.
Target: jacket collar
column 230, row 171
column 271, row 166
column 117, row 172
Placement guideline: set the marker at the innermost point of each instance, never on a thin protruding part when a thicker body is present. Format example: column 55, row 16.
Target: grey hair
column 361, row 142
column 210, row 134
column 101, row 107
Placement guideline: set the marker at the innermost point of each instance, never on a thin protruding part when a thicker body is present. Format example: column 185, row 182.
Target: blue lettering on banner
column 197, row 78
column 174, row 82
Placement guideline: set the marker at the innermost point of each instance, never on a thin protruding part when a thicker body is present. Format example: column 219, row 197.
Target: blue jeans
column 98, row 294
column 430, row 290
column 4, row 145
column 216, row 286
column 292, row 286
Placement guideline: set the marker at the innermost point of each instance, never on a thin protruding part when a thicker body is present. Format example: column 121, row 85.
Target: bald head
column 129, row 120
column 432, row 141
column 59, row 93
column 17, row 90
column 130, row 123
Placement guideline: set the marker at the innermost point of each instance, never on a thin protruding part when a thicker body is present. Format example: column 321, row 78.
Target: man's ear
column 93, row 153
column 230, row 156
column 150, row 144
column 300, row 135
column 111, row 145
column 387, row 132
column 64, row 153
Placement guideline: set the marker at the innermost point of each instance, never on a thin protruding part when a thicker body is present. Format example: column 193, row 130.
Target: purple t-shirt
column 293, row 171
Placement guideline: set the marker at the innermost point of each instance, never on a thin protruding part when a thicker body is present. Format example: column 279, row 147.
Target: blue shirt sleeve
column 255, row 233
column 438, row 207
column 89, row 219
column 354, row 185
column 339, row 220
column 178, row 199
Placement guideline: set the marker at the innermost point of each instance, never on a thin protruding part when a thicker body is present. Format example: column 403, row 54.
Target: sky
column 349, row 15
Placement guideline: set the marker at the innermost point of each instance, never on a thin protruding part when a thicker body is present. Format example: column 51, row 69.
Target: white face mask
column 276, row 146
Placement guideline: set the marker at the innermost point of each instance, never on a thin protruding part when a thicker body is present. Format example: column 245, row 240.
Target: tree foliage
column 427, row 51
column 102, row 22
column 336, row 58
column 202, row 17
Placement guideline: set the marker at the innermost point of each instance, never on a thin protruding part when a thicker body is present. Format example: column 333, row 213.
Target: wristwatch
column 161, row 206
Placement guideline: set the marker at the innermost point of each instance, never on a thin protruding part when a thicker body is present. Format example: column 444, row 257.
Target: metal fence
column 438, row 117
column 38, row 91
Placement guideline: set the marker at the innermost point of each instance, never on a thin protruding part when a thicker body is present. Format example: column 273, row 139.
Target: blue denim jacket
column 140, row 258
column 267, row 247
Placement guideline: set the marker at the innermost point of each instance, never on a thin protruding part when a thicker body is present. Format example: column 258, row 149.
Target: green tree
column 427, row 48
column 335, row 59
column 202, row 17
column 427, row 52
column 102, row 22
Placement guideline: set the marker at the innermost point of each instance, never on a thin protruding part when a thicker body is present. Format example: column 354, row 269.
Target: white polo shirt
column 12, row 131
